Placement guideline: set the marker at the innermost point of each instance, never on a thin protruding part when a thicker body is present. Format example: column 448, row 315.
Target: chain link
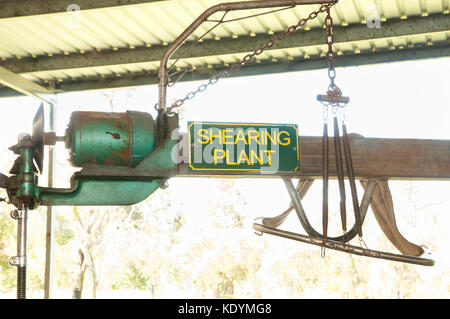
column 334, row 93
column 330, row 54
column 249, row 57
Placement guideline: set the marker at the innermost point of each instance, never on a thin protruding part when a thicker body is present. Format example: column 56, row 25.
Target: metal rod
column 229, row 6
column 22, row 252
column 50, row 231
column 343, row 247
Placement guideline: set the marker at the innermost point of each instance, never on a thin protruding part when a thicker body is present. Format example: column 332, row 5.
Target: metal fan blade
column 38, row 138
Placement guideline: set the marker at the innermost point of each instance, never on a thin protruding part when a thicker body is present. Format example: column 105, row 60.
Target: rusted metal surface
column 109, row 138
column 4, row 181
column 50, row 138
column 332, row 97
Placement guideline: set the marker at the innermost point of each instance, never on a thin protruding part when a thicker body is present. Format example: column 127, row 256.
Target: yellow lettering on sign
column 269, row 155
column 234, row 136
column 212, row 135
column 242, row 156
column 228, row 158
column 253, row 156
column 272, row 139
column 286, row 141
column 240, row 137
column 225, row 136
column 217, row 156
column 255, row 137
column 203, row 136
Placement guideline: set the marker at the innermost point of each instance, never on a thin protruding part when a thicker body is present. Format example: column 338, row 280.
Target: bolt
column 14, row 261
column 15, row 214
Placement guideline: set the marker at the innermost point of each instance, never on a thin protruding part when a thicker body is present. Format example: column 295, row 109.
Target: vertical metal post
column 22, row 253
column 25, row 192
column 20, row 260
column 50, row 232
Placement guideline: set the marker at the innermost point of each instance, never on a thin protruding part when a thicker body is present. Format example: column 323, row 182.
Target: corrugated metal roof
column 224, row 60
column 125, row 28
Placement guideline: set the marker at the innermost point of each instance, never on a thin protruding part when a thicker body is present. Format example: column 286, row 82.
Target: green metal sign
column 267, row 148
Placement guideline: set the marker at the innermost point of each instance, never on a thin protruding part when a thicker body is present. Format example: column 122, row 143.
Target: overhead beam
column 372, row 158
column 394, row 28
column 255, row 69
column 24, row 86
column 23, row 8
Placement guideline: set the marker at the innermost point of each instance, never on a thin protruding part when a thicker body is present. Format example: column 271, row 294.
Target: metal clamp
column 18, row 261
column 16, row 214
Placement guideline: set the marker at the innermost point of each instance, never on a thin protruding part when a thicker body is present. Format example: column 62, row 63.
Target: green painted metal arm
column 109, row 189
column 86, row 192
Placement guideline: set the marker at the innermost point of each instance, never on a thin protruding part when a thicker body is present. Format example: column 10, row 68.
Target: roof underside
column 118, row 43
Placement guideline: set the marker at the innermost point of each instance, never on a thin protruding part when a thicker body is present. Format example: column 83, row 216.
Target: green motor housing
column 123, row 139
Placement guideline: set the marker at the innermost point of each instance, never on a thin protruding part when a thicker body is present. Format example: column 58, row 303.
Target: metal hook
column 256, row 219
column 362, row 243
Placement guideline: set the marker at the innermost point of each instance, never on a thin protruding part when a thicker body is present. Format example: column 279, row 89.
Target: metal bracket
column 16, row 214
column 18, row 261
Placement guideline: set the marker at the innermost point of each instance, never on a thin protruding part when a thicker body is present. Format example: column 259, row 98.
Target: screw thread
column 21, row 282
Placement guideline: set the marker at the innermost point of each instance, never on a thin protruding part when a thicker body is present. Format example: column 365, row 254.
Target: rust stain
column 123, row 154
column 109, row 161
column 92, row 161
column 88, row 117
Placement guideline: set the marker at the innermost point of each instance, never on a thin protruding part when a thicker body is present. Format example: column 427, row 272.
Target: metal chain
column 334, row 93
column 249, row 57
column 330, row 54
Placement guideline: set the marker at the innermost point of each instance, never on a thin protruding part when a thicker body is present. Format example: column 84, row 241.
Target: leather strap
column 351, row 178
column 340, row 172
column 325, row 165
column 302, row 188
